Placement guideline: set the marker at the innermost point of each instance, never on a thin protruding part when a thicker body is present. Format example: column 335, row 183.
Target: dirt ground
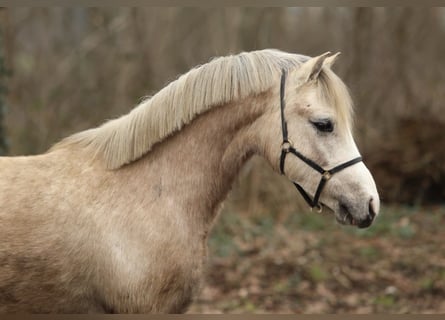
column 307, row 263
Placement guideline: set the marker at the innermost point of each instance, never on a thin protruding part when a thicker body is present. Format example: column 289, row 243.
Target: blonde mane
column 224, row 79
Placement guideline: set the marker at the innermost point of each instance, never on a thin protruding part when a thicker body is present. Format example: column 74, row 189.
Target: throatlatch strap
column 282, row 104
column 282, row 159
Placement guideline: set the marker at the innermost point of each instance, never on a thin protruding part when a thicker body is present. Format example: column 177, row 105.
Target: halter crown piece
column 286, row 148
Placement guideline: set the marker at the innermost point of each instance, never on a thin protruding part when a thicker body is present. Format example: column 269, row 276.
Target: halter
column 286, row 147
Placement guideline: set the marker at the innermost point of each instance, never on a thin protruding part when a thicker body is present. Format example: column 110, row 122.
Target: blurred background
column 63, row 70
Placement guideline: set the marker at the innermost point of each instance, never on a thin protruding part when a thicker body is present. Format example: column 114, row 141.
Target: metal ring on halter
column 318, row 206
column 286, row 145
column 327, row 175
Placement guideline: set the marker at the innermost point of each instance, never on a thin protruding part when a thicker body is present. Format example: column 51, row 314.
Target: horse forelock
column 222, row 80
column 336, row 94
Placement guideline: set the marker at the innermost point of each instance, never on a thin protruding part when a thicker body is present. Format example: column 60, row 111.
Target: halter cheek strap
column 286, row 148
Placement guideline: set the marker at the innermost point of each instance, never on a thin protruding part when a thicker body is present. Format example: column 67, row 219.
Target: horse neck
column 197, row 166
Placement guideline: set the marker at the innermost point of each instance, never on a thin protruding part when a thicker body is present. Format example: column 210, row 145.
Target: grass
column 395, row 222
column 306, row 262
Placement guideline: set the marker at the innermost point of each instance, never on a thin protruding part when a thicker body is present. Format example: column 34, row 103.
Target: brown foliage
column 309, row 265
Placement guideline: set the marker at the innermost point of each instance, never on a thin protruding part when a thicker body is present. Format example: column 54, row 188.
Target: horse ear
column 331, row 60
column 311, row 69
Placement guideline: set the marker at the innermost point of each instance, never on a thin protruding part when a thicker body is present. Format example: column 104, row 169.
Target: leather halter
column 286, row 148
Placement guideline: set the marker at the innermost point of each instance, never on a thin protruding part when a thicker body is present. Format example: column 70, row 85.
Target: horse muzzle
column 347, row 216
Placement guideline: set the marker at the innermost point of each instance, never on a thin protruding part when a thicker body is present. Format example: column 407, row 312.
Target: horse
column 115, row 219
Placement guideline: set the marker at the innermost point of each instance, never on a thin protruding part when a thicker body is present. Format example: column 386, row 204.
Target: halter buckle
column 286, row 145
column 326, row 175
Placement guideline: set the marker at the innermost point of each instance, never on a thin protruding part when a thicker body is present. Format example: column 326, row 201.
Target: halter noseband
column 286, row 147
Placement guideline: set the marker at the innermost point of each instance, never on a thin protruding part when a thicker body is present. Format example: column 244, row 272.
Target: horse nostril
column 371, row 212
column 366, row 222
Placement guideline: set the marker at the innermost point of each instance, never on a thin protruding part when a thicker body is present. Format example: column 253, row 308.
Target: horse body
column 125, row 230
column 70, row 247
column 89, row 239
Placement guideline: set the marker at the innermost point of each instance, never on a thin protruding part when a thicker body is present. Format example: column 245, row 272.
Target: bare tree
column 3, row 89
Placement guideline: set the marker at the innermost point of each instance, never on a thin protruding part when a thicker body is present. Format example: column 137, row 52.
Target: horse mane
column 224, row 79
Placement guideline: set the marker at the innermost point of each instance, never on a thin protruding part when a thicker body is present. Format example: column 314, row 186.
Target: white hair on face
column 222, row 80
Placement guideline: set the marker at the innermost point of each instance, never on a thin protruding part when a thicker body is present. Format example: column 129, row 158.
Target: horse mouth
column 345, row 217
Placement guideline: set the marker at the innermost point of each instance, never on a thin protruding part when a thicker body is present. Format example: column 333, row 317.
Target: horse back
column 36, row 269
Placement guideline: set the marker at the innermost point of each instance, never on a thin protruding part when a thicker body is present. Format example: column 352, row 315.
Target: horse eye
column 323, row 125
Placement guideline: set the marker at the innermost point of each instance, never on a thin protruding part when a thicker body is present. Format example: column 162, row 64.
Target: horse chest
column 161, row 279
